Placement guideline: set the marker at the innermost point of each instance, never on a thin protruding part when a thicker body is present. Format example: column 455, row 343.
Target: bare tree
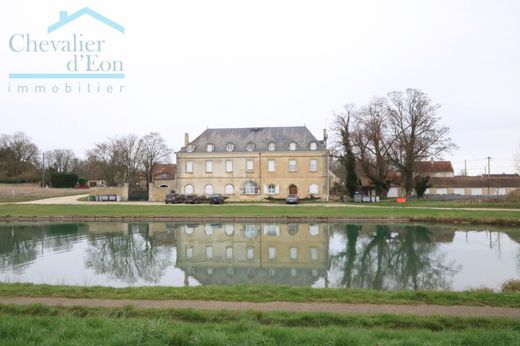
column 343, row 150
column 418, row 134
column 129, row 151
column 119, row 158
column 60, row 160
column 372, row 141
column 155, row 151
column 17, row 154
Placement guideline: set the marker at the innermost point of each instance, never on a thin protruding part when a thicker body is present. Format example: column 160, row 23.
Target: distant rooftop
column 297, row 138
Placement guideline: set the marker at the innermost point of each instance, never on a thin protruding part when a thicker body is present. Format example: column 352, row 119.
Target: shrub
column 513, row 196
column 61, row 180
column 82, row 181
column 510, row 286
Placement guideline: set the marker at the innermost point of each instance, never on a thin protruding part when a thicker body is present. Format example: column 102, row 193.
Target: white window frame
column 250, row 190
column 210, row 147
column 189, row 189
column 293, row 165
column 230, row 147
column 314, row 189
column 250, row 166
column 250, row 146
column 209, row 166
column 313, row 165
column 292, row 146
column 189, row 166
column 229, row 189
column 209, row 189
column 271, row 189
column 229, row 166
column 271, row 146
column 271, row 165
column 313, row 146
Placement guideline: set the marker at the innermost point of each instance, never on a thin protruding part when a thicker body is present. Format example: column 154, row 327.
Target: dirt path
column 420, row 310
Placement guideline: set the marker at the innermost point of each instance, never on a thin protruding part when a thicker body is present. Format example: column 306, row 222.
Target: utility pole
column 489, row 165
column 465, row 169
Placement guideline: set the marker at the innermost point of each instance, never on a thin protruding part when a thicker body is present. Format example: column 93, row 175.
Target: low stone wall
column 107, row 193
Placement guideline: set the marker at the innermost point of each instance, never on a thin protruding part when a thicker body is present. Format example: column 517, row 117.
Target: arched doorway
column 293, row 189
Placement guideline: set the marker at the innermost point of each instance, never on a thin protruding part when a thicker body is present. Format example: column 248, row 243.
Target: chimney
column 186, row 139
column 325, row 137
column 63, row 15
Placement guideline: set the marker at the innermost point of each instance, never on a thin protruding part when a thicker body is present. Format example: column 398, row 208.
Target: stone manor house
column 254, row 163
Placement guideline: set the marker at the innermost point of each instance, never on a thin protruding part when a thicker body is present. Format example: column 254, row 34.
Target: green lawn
column 511, row 217
column 44, row 325
column 267, row 294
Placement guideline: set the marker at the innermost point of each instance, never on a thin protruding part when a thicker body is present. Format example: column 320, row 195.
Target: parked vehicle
column 216, row 199
column 292, row 199
column 192, row 199
column 172, row 198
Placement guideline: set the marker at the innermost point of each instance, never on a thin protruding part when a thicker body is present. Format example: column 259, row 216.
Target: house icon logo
column 66, row 18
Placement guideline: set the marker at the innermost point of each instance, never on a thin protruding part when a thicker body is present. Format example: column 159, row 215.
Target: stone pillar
column 124, row 192
column 150, row 192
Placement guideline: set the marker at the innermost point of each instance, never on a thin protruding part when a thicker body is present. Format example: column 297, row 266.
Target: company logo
column 72, row 55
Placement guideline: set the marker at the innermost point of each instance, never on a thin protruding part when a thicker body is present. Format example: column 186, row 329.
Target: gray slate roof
column 260, row 136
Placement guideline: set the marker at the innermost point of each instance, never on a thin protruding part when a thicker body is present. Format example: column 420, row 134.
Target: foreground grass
column 484, row 203
column 511, row 217
column 267, row 294
column 44, row 325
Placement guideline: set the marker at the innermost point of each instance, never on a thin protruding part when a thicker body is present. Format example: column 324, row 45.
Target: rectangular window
column 313, row 165
column 271, row 253
column 189, row 252
column 209, row 166
column 209, row 251
column 249, row 166
column 229, row 166
column 292, row 165
column 314, row 253
column 229, row 252
column 189, row 166
column 250, row 252
column 271, row 165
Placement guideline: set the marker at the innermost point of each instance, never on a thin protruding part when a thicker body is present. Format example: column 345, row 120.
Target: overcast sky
column 190, row 65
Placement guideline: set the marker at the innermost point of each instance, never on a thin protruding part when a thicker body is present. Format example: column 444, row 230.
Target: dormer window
column 313, row 146
column 250, row 146
column 230, row 147
column 271, row 146
column 210, row 147
column 292, row 146
column 190, row 148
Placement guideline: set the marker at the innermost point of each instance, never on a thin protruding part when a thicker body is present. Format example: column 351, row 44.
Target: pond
column 383, row 257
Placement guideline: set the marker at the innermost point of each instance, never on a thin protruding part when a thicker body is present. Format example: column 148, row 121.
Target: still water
column 382, row 257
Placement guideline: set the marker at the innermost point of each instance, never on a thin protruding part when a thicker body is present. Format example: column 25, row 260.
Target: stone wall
column 109, row 193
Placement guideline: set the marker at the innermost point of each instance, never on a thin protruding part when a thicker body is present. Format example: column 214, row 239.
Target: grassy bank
column 10, row 193
column 267, row 294
column 511, row 217
column 128, row 326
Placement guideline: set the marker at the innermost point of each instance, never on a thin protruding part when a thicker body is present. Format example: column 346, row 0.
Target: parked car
column 292, row 199
column 216, row 199
column 192, row 199
column 172, row 198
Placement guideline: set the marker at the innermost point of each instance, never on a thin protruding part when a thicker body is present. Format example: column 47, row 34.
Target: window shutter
column 266, row 189
column 277, row 189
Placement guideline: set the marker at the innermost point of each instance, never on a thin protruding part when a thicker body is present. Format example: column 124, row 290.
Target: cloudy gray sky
column 196, row 64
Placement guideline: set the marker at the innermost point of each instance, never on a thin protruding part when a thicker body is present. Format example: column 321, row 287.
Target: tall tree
column 417, row 131
column 60, row 160
column 372, row 141
column 155, row 151
column 17, row 154
column 343, row 148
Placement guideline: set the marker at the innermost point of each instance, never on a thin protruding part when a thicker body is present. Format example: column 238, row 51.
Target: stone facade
column 254, row 163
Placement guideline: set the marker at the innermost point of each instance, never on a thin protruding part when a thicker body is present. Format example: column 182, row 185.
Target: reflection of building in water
column 231, row 253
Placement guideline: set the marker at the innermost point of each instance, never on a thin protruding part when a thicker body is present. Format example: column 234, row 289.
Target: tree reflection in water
column 404, row 258
column 128, row 257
